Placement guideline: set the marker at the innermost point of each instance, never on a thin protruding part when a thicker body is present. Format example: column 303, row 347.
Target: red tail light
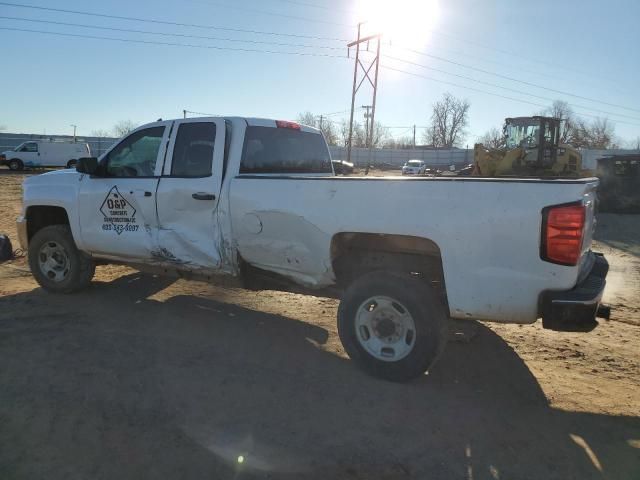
column 562, row 233
column 287, row 124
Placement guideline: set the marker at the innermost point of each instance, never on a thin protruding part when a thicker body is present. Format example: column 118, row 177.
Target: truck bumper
column 23, row 237
column 575, row 310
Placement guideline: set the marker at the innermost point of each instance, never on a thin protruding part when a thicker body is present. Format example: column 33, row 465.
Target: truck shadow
column 115, row 384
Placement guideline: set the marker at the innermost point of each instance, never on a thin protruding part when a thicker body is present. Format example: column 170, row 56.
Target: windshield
column 522, row 135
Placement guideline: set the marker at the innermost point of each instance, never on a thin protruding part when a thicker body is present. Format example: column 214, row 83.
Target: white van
column 44, row 153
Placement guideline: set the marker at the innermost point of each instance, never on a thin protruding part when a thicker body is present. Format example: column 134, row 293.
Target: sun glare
column 401, row 21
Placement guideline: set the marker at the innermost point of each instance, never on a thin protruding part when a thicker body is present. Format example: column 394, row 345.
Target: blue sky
column 585, row 48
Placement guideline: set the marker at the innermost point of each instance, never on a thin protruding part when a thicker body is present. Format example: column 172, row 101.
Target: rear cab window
column 193, row 150
column 269, row 150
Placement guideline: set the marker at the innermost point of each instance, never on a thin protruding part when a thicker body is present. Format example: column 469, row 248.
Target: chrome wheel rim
column 54, row 261
column 385, row 328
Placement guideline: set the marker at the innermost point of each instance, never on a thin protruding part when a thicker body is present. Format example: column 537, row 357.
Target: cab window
column 193, row 150
column 136, row 155
column 284, row 150
column 29, row 147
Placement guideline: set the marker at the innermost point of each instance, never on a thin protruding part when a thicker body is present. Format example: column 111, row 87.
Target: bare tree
column 563, row 111
column 430, row 136
column 597, row 134
column 123, row 127
column 307, row 118
column 328, row 129
column 358, row 134
column 101, row 133
column 325, row 125
column 402, row 143
column 449, row 121
column 343, row 133
column 379, row 135
column 494, row 138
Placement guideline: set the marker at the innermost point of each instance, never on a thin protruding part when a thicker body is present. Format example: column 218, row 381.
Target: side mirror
column 88, row 165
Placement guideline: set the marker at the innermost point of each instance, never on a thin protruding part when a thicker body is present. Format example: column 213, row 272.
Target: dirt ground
column 145, row 377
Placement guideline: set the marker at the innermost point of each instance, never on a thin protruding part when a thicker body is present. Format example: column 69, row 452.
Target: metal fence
column 382, row 158
column 391, row 158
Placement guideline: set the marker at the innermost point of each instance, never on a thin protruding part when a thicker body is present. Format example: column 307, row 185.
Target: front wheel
column 392, row 325
column 72, row 163
column 16, row 165
column 56, row 263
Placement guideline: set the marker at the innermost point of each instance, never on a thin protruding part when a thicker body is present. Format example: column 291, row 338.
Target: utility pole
column 367, row 116
column 414, row 137
column 356, row 86
column 74, row 132
column 184, row 113
column 321, row 118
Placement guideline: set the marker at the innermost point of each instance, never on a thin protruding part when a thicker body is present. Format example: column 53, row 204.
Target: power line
column 506, row 77
column 147, row 42
column 507, row 52
column 309, row 46
column 165, row 22
column 190, row 45
column 387, row 67
column 489, row 84
column 182, row 35
column 335, row 113
column 408, row 126
column 199, row 113
column 275, row 14
column 480, row 59
column 314, row 5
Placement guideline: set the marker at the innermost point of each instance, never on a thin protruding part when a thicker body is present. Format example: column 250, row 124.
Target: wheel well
column 353, row 254
column 39, row 217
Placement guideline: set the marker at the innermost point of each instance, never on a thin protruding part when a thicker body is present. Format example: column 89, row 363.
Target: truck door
column 118, row 208
column 189, row 193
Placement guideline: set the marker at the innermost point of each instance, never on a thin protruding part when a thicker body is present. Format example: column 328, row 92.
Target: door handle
column 138, row 192
column 203, row 196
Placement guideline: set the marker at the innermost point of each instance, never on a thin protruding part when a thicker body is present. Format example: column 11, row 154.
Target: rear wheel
column 56, row 263
column 16, row 164
column 392, row 325
column 72, row 163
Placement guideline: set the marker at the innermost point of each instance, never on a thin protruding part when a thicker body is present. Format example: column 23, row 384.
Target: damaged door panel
column 287, row 244
column 188, row 195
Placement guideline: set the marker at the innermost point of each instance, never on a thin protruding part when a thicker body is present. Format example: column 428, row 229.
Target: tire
column 392, row 293
column 72, row 163
column 16, row 164
column 56, row 263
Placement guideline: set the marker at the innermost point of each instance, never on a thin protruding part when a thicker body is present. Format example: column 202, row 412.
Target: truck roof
column 262, row 122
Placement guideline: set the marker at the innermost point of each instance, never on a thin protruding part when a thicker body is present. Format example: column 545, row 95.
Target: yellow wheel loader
column 531, row 148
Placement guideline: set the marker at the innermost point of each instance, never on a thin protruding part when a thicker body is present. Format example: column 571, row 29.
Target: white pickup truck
column 255, row 202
